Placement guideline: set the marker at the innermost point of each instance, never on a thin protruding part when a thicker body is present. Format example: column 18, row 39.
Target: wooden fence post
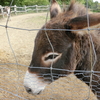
column 36, row 8
column 15, row 9
column 2, row 12
column 25, row 8
column 48, row 7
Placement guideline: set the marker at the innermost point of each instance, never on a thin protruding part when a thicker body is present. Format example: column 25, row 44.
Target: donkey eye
column 51, row 57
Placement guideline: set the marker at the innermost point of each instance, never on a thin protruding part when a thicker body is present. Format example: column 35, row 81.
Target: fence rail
column 15, row 9
column 35, row 8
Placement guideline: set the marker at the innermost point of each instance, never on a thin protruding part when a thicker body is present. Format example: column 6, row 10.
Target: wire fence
column 12, row 72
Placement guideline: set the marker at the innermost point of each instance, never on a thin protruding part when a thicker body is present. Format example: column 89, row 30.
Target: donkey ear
column 54, row 9
column 82, row 21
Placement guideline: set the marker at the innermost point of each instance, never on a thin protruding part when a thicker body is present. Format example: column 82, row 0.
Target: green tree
column 36, row 2
column 24, row 2
column 8, row 2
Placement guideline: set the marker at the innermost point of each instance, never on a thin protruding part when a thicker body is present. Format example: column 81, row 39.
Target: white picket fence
column 15, row 9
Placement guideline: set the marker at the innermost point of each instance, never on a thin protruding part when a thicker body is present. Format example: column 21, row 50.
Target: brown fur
column 54, row 9
column 74, row 46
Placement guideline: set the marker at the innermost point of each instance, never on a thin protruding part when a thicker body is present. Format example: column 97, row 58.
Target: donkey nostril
column 29, row 90
column 39, row 92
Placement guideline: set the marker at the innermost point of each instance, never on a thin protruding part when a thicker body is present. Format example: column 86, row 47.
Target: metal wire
column 51, row 68
column 6, row 26
column 49, row 29
column 92, row 50
column 13, row 94
column 49, row 43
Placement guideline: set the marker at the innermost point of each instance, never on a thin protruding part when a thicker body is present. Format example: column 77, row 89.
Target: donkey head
column 56, row 49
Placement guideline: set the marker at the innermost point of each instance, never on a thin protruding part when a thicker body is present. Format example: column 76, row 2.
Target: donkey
column 70, row 52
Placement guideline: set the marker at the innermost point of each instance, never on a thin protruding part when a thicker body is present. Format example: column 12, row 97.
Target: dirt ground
column 22, row 42
column 11, row 75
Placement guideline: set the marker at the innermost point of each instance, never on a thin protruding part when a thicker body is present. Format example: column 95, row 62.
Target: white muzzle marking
column 33, row 84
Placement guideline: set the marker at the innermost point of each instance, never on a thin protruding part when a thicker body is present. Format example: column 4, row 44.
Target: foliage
column 24, row 2
column 36, row 2
column 8, row 2
column 44, row 2
column 81, row 1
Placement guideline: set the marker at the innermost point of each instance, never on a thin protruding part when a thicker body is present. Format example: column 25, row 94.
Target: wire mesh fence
column 16, row 49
